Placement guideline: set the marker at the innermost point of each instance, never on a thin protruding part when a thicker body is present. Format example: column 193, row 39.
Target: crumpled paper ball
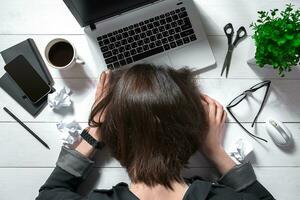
column 240, row 150
column 61, row 99
column 70, row 132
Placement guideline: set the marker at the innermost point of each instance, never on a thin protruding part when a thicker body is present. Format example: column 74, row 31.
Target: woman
column 153, row 119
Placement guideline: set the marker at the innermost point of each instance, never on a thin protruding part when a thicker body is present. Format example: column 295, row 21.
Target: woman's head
column 154, row 121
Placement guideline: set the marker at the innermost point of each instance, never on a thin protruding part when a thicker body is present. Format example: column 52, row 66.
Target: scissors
column 241, row 35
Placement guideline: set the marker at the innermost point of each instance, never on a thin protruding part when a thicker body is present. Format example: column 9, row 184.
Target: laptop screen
column 87, row 12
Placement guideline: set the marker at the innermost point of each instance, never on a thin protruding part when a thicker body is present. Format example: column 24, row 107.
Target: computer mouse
column 279, row 133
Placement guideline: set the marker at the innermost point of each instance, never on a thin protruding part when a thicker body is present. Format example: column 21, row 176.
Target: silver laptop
column 126, row 32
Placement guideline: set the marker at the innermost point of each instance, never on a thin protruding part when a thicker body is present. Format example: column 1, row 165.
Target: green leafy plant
column 277, row 38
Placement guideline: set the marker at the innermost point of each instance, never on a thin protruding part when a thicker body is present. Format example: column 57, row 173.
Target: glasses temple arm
column 262, row 105
column 254, row 136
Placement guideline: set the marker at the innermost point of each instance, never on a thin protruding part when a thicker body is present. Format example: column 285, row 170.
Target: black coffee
column 61, row 54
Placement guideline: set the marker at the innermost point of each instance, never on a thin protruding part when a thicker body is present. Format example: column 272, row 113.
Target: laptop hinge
column 92, row 26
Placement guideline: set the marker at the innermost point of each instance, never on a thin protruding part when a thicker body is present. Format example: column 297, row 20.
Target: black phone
column 32, row 84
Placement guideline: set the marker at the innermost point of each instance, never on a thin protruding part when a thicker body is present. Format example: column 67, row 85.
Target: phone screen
column 27, row 78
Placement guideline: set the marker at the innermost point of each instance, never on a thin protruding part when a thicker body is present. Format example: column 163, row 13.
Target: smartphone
column 22, row 72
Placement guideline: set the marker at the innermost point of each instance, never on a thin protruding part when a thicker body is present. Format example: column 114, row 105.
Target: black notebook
column 29, row 50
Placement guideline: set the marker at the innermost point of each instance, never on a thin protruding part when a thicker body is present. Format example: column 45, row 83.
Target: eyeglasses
column 242, row 96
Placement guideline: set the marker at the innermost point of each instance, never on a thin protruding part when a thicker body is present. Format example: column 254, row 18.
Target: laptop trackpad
column 161, row 60
column 197, row 56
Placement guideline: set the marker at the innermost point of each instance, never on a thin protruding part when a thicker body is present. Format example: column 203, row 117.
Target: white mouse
column 278, row 132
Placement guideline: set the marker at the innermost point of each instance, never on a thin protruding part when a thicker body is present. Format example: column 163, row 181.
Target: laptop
column 126, row 32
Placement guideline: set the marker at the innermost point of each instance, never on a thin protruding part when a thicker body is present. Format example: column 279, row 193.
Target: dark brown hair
column 154, row 121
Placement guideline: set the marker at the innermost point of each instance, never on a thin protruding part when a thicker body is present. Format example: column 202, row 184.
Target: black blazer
column 72, row 168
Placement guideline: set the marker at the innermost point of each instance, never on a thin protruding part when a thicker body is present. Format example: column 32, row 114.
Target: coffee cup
column 61, row 54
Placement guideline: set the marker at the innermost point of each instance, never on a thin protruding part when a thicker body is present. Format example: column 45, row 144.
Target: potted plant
column 277, row 38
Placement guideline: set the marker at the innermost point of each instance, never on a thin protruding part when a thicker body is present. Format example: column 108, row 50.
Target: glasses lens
column 237, row 100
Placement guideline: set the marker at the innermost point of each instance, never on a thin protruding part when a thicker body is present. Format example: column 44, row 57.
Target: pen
column 26, row 127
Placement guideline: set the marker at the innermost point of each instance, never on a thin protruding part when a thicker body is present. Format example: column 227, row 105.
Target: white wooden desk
column 25, row 163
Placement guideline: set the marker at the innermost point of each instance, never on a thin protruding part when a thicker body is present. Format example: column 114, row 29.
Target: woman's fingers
column 107, row 77
column 224, row 117
column 215, row 109
column 102, row 85
column 208, row 99
column 106, row 81
column 101, row 92
column 219, row 112
column 211, row 107
column 204, row 103
column 212, row 111
column 202, row 97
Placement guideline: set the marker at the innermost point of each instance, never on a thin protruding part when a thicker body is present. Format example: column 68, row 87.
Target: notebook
column 29, row 50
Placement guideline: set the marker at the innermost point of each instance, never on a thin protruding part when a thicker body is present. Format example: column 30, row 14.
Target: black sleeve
column 259, row 191
column 242, row 178
column 70, row 171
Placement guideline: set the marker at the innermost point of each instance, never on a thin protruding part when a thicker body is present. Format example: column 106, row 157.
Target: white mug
column 70, row 62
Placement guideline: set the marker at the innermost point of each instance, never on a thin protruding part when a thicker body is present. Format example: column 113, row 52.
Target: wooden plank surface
column 283, row 101
column 33, row 154
column 28, row 167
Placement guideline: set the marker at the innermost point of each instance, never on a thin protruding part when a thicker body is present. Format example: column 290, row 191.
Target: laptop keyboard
column 146, row 38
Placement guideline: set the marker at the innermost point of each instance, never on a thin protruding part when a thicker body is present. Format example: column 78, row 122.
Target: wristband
column 91, row 140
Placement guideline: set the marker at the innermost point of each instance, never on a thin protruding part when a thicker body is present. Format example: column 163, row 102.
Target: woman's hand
column 212, row 146
column 85, row 148
column 216, row 116
column 101, row 92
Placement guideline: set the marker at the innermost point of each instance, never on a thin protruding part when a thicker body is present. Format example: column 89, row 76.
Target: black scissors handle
column 229, row 31
column 240, row 35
